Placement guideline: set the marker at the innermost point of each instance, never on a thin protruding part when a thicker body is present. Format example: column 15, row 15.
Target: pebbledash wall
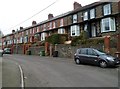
column 99, row 19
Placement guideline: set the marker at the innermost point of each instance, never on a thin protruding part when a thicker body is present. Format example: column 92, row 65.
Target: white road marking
column 22, row 76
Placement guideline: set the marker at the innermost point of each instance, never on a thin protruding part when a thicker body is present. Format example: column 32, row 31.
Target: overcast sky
column 13, row 12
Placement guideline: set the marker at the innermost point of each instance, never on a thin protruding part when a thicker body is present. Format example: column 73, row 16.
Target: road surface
column 60, row 72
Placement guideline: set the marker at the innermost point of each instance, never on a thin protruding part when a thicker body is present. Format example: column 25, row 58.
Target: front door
column 93, row 30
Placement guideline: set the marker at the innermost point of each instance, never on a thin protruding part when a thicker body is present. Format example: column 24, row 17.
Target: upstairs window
column 44, row 28
column 75, row 18
column 107, row 9
column 85, row 16
column 38, row 29
column 50, row 25
column 31, row 31
column 92, row 13
column 54, row 25
column 27, row 32
column 61, row 22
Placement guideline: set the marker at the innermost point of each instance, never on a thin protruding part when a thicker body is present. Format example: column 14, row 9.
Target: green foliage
column 57, row 38
column 83, row 40
column 113, row 42
column 80, row 39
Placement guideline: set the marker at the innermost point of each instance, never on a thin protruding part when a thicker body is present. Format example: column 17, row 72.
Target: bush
column 80, row 39
column 57, row 38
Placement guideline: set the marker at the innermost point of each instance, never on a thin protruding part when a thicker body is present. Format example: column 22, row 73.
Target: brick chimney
column 21, row 28
column 13, row 31
column 76, row 5
column 50, row 16
column 34, row 22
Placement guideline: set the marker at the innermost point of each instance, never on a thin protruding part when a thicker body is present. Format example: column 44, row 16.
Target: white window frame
column 50, row 25
column 111, row 23
column 22, row 33
column 86, row 27
column 61, row 22
column 92, row 13
column 15, row 41
column 21, row 40
column 31, row 39
column 75, row 18
column 25, row 39
column 43, row 35
column 107, row 9
column 26, row 32
column 38, row 29
column 85, row 15
column 31, row 31
column 61, row 31
column 75, row 30
column 44, row 27
column 54, row 25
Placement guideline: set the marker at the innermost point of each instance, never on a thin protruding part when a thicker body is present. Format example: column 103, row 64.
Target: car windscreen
column 99, row 52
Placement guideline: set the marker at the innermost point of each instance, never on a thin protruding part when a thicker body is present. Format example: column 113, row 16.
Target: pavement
column 10, row 73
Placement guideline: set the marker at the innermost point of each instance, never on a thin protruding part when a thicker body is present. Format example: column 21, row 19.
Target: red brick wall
column 107, row 44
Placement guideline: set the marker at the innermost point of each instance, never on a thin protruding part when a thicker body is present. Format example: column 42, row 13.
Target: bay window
column 108, row 24
column 61, row 31
column 43, row 35
column 75, row 31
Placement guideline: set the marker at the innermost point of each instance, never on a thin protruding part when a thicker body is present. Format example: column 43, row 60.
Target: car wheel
column 103, row 64
column 77, row 61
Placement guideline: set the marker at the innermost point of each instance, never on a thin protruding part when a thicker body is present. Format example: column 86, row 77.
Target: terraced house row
column 97, row 19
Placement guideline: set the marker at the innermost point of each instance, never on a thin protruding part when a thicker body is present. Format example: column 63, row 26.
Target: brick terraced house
column 97, row 19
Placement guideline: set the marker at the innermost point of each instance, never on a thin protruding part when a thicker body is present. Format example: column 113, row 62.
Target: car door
column 83, row 55
column 92, row 58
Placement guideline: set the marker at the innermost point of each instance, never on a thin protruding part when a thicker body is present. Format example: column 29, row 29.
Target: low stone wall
column 68, row 51
column 36, row 50
column 18, row 49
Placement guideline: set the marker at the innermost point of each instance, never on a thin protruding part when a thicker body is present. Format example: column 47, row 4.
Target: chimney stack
column 76, row 5
column 34, row 23
column 13, row 31
column 50, row 16
column 21, row 28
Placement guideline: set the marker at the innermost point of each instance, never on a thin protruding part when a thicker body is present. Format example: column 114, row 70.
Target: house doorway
column 93, row 30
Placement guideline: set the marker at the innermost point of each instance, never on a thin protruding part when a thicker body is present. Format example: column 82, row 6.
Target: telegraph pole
column 17, row 42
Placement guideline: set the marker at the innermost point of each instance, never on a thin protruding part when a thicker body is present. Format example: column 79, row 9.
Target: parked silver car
column 95, row 57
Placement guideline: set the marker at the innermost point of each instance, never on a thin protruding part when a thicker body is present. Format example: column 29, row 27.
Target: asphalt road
column 62, row 72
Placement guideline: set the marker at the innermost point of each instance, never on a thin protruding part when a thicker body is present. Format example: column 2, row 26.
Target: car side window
column 91, row 52
column 83, row 51
column 79, row 51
